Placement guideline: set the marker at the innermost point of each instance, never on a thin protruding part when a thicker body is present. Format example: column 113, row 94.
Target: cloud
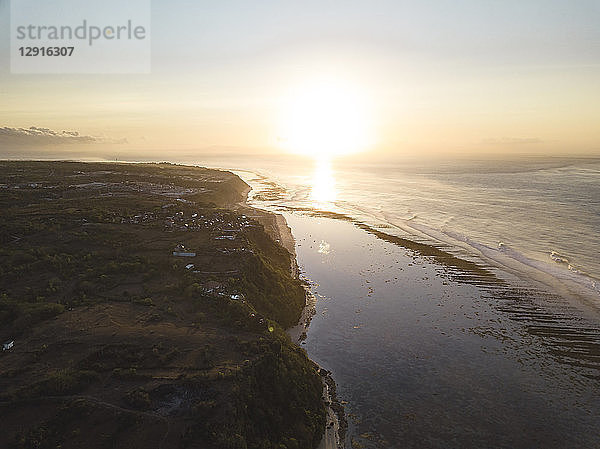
column 36, row 137
column 512, row 141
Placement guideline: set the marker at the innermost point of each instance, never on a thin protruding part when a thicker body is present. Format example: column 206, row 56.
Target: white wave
column 558, row 273
column 560, row 278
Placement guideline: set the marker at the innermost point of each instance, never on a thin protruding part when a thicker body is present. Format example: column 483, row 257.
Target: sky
column 433, row 77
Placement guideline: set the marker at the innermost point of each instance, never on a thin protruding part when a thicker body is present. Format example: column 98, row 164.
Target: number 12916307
column 46, row 51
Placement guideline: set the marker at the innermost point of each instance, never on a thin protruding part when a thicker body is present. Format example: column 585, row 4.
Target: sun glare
column 323, row 191
column 325, row 120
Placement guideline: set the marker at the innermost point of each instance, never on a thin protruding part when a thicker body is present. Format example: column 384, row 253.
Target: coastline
column 550, row 267
column 425, row 345
column 398, row 301
column 404, row 328
column 336, row 424
column 274, row 224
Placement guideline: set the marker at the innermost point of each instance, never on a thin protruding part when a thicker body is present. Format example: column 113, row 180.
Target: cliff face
column 146, row 312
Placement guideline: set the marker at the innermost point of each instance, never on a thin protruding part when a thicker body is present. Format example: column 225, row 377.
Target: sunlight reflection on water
column 323, row 191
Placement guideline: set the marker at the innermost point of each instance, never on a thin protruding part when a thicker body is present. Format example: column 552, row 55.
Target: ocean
column 457, row 303
column 535, row 217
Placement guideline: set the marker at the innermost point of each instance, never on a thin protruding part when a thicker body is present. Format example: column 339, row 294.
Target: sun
column 325, row 119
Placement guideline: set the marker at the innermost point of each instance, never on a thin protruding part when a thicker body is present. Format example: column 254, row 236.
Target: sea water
column 480, row 326
column 538, row 217
column 445, row 355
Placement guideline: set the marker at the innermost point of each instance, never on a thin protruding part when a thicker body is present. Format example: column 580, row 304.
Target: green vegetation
column 281, row 374
column 144, row 345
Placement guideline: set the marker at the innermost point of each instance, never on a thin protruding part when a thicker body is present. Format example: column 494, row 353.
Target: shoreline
column 274, row 224
column 465, row 272
column 501, row 266
column 402, row 331
column 336, row 425
column 580, row 287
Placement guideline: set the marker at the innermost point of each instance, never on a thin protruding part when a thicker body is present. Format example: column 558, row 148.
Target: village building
column 180, row 251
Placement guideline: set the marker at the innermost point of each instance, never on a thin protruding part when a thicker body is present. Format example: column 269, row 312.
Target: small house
column 180, row 251
column 183, row 254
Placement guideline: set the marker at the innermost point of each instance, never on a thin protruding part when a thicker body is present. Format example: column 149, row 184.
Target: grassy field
column 121, row 343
